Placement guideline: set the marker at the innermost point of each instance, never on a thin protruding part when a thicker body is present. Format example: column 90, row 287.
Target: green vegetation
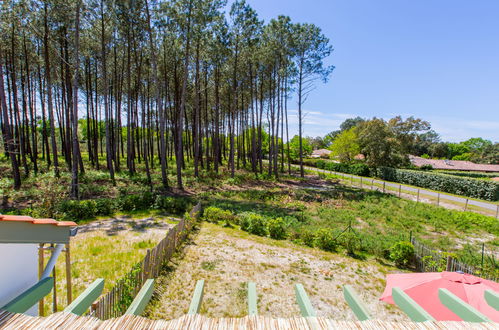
column 360, row 223
column 402, row 253
column 458, row 185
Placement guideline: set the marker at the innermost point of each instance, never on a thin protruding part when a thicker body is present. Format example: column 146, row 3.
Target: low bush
column 215, row 215
column 105, row 206
column 277, row 228
column 253, row 223
column 402, row 253
column 324, row 239
column 170, row 204
column 136, row 201
column 78, row 210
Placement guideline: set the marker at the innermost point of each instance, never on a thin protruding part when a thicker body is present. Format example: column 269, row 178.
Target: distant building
column 453, row 165
column 321, row 153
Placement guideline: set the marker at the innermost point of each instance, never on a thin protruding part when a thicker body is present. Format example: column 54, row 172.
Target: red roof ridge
column 25, row 218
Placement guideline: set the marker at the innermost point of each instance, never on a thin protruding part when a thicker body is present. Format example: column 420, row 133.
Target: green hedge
column 90, row 208
column 442, row 182
column 355, row 169
column 470, row 187
column 476, row 175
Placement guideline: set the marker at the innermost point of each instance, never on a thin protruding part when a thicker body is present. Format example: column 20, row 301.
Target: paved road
column 491, row 207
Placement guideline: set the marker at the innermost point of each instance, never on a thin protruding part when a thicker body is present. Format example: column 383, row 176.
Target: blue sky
column 433, row 59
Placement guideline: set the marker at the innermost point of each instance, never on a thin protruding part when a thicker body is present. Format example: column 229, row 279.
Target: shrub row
column 470, row 187
column 355, row 169
column 88, row 209
column 442, row 182
column 251, row 222
column 476, row 175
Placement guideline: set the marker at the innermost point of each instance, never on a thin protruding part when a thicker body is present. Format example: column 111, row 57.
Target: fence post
column 384, row 183
column 466, row 205
column 418, row 196
column 483, row 250
column 497, row 212
column 372, row 185
column 438, row 199
column 361, row 182
column 400, row 189
column 449, row 264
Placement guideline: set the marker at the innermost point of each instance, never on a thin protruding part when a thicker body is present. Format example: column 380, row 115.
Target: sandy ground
column 226, row 259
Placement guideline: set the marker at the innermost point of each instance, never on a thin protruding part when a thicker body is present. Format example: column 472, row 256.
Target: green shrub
column 307, row 237
column 324, row 239
column 351, row 242
column 104, row 206
column 277, row 228
column 402, row 253
column 359, row 169
column 170, row 204
column 253, row 223
column 136, row 202
column 78, row 210
column 215, row 215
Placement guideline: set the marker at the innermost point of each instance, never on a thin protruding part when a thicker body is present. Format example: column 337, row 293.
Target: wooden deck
column 72, row 321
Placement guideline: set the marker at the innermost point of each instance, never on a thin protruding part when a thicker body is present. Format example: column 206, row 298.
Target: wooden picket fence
column 444, row 262
column 115, row 302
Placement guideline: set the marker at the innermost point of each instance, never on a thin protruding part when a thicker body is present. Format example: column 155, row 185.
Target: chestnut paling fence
column 115, row 302
column 431, row 260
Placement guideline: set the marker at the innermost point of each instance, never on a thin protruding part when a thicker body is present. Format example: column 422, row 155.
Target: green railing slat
column 252, row 299
column 306, row 308
column 81, row 304
column 142, row 299
column 197, row 298
column 492, row 299
column 30, row 297
column 355, row 303
column 460, row 308
column 410, row 307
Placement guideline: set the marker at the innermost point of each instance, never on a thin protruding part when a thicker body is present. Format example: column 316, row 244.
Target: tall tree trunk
column 7, row 133
column 76, row 62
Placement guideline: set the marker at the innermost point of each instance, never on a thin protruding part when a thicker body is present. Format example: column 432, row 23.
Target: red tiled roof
column 24, row 218
column 457, row 165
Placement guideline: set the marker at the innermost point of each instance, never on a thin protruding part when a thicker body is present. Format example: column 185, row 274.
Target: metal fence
column 115, row 302
column 431, row 260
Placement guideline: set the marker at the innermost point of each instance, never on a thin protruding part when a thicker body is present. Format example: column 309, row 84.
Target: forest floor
column 228, row 258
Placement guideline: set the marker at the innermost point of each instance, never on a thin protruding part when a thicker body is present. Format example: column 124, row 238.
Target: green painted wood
column 252, row 299
column 356, row 304
column 22, row 232
column 142, row 299
column 197, row 298
column 492, row 299
column 460, row 308
column 81, row 304
column 410, row 307
column 306, row 308
column 30, row 297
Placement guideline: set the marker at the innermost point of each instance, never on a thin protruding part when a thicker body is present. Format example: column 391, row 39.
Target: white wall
column 18, row 271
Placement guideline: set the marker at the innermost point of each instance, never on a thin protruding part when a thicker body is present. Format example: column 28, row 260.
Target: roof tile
column 23, row 218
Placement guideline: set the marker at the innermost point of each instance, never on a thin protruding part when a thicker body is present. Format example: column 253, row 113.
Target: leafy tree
column 379, row 144
column 408, row 131
column 350, row 123
column 297, row 149
column 346, row 145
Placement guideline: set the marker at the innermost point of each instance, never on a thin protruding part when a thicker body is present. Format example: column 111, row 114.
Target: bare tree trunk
column 7, row 133
column 74, row 169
